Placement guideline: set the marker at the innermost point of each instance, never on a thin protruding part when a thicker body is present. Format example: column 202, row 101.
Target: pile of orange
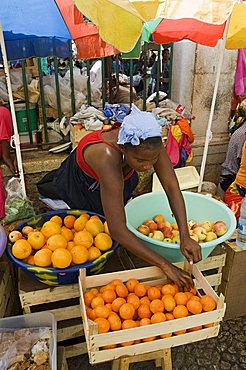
column 61, row 243
column 119, row 306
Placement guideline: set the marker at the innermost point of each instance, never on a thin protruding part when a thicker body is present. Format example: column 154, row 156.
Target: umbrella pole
column 211, row 115
column 12, row 108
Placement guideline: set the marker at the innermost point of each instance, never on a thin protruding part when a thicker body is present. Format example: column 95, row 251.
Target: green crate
column 21, row 117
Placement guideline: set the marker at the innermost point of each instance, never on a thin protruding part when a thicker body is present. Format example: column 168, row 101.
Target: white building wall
column 193, row 79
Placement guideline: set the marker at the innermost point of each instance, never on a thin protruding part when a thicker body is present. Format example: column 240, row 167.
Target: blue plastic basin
column 199, row 208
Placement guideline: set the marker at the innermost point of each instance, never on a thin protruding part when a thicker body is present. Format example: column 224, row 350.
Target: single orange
column 61, row 258
column 103, row 325
column 109, row 305
column 94, row 291
column 117, row 303
column 109, row 295
column 144, row 311
column 56, row 241
column 57, row 220
column 121, row 290
column 208, row 303
column 156, row 306
column 94, row 253
column 50, row 228
column 88, row 296
column 181, row 298
column 94, row 226
column 180, row 311
column 140, row 290
column 158, row 317
column 116, row 282
column 145, row 300
column 67, row 233
column 194, row 307
column 114, row 321
column 97, row 301
column 30, row 260
column 103, row 241
column 92, row 315
column 169, row 316
column 154, row 293
column 168, row 289
column 70, row 245
column 169, row 302
column 79, row 254
column 131, row 283
column 42, row 257
column 128, row 324
column 36, row 239
column 102, row 311
column 83, row 238
column 69, row 221
column 126, row 311
column 134, row 300
column 189, row 295
column 21, row 249
column 79, row 223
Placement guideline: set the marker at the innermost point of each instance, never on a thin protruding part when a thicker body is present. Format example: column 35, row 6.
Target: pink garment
column 240, row 76
column 172, row 148
column 6, row 126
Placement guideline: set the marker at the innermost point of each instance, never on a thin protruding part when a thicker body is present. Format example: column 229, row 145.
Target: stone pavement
column 226, row 352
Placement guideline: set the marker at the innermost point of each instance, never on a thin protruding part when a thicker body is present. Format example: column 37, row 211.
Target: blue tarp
column 34, row 28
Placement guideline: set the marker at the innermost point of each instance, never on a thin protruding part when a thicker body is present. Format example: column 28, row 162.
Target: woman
column 100, row 175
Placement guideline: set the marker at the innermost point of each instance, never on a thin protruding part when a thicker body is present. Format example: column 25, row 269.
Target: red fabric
column 86, row 36
column 233, row 199
column 6, row 126
column 172, row 148
column 173, row 30
column 93, row 138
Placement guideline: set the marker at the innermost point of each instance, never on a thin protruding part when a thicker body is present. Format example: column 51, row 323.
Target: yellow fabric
column 176, row 132
column 241, row 175
column 236, row 38
column 120, row 21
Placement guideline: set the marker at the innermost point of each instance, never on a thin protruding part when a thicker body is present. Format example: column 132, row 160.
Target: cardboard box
column 233, row 285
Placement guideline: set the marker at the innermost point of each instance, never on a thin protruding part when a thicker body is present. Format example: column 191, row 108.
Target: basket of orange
column 53, row 246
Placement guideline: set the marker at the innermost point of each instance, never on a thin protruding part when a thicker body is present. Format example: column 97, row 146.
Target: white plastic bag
column 17, row 207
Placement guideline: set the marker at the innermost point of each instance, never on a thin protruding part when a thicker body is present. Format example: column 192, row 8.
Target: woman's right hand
column 179, row 277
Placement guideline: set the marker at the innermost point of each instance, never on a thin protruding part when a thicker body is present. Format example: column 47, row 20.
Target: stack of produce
column 61, row 243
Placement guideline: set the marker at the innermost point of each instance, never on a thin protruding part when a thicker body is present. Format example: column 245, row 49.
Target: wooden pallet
column 7, row 296
column 61, row 359
column 150, row 276
column 63, row 302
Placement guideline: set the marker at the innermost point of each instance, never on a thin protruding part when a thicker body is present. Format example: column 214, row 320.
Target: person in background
column 100, row 175
column 164, row 77
column 6, row 131
column 241, row 175
column 230, row 166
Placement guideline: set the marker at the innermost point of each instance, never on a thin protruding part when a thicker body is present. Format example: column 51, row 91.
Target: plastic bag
column 17, row 207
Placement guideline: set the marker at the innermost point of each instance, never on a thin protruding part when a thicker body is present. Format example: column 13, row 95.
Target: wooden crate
column 150, row 276
column 233, row 281
column 76, row 134
column 7, row 296
column 61, row 359
column 63, row 302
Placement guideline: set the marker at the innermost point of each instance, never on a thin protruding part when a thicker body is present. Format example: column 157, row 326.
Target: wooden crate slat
column 70, row 332
column 6, row 298
column 108, row 355
column 76, row 350
column 212, row 262
column 66, row 313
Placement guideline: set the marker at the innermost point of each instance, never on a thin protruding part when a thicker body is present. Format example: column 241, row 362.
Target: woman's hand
column 179, row 277
column 190, row 249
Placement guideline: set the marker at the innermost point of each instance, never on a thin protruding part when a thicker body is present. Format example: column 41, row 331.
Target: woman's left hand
column 191, row 250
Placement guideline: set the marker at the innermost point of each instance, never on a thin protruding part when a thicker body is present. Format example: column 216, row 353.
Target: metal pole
column 170, row 73
column 211, row 115
column 72, row 80
column 41, row 88
column 145, row 76
column 88, row 82
column 131, row 81
column 58, row 98
column 12, row 109
column 26, row 100
column 158, row 75
column 103, row 83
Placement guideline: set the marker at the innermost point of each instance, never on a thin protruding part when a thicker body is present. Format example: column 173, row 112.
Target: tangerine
column 180, row 311
column 144, row 311
column 154, row 293
column 169, row 302
column 114, row 321
column 102, row 311
column 79, row 254
column 156, row 306
column 94, row 253
column 79, row 223
column 92, row 315
column 30, row 260
column 83, row 238
column 126, row 311
column 42, row 257
column 145, row 300
column 208, row 303
column 140, row 290
column 57, row 220
column 69, row 221
column 168, row 289
column 103, row 241
column 134, row 300
column 194, row 306
column 189, row 295
column 109, row 295
column 97, row 301
column 102, row 324
column 94, row 291
column 169, row 316
column 181, row 298
column 117, row 303
column 56, row 241
column 121, row 290
column 61, row 258
column 116, row 282
column 50, row 228
column 70, row 245
column 131, row 283
column 67, row 233
column 88, row 296
column 36, row 239
column 21, row 249
column 158, row 317
column 128, row 324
